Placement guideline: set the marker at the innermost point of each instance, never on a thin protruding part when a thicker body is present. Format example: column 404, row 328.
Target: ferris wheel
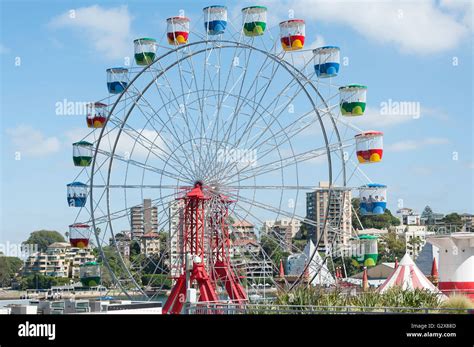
column 219, row 126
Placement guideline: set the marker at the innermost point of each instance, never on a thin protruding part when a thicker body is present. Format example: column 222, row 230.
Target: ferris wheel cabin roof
column 178, row 19
column 215, row 7
column 367, row 237
column 117, row 69
column 98, row 103
column 326, row 49
column 374, row 185
column 89, row 263
column 82, row 143
column 369, row 133
column 144, row 39
column 353, row 86
column 292, row 21
column 79, row 225
column 257, row 8
column 76, row 184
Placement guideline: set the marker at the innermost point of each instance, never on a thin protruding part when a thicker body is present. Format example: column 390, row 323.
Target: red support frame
column 194, row 243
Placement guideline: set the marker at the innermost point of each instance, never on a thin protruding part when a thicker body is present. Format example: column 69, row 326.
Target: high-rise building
column 332, row 215
column 143, row 219
column 176, row 211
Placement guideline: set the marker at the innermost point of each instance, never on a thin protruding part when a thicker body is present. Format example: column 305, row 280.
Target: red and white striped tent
column 408, row 276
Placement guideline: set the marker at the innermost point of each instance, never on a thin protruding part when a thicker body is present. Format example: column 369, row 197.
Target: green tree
column 39, row 281
column 9, row 266
column 428, row 215
column 273, row 249
column 344, row 263
column 43, row 238
column 379, row 221
column 452, row 219
column 391, row 247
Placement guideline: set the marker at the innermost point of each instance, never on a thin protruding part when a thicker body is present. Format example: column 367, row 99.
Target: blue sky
column 418, row 51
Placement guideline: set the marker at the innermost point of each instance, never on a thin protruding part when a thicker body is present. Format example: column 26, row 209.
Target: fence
column 229, row 308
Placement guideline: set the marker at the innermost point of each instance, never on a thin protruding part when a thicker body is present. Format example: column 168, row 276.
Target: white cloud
column 108, row 30
column 419, row 27
column 374, row 119
column 409, row 145
column 4, row 49
column 31, row 142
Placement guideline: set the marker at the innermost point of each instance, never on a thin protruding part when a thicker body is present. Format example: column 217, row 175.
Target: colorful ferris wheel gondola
column 326, row 61
column 353, row 99
column 145, row 51
column 365, row 251
column 89, row 274
column 96, row 115
column 177, row 30
column 82, row 153
column 76, row 194
column 254, row 20
column 215, row 19
column 79, row 235
column 373, row 199
column 117, row 79
column 369, row 146
column 292, row 34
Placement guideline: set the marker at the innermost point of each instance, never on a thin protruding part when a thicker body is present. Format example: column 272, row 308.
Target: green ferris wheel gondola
column 367, row 251
column 89, row 274
column 82, row 153
column 254, row 20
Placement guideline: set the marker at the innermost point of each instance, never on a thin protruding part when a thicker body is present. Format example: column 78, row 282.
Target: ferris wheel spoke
column 150, row 145
column 290, row 130
column 273, row 209
column 236, row 112
column 106, row 218
column 285, row 162
column 141, row 165
column 185, row 113
column 273, row 102
column 170, row 121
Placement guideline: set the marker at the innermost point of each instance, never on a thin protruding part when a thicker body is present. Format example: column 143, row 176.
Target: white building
column 244, row 230
column 59, row 260
column 143, row 219
column 150, row 244
column 412, row 232
column 176, row 213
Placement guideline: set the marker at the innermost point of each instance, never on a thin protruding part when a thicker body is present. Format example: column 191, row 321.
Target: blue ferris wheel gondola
column 326, row 61
column 215, row 19
column 76, row 194
column 373, row 199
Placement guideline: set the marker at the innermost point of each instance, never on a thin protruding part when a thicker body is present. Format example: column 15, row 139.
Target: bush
column 458, row 301
column 157, row 280
column 395, row 297
column 38, row 281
